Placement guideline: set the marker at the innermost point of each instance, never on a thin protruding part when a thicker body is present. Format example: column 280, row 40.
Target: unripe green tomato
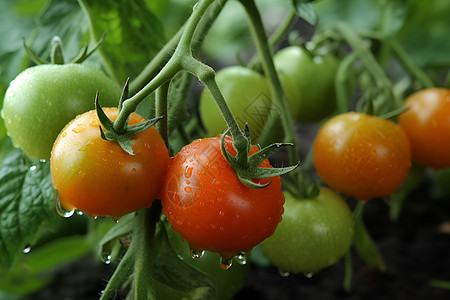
column 314, row 233
column 247, row 94
column 41, row 100
column 228, row 282
column 308, row 82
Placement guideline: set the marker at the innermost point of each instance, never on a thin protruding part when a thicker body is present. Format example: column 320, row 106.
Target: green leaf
column 134, row 34
column 172, row 271
column 34, row 270
column 178, row 95
column 27, row 205
column 305, row 11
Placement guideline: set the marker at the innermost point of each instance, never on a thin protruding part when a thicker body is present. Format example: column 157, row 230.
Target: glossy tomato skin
column 248, row 96
column 98, row 177
column 427, row 125
column 210, row 208
column 314, row 233
column 362, row 156
column 41, row 100
column 308, row 81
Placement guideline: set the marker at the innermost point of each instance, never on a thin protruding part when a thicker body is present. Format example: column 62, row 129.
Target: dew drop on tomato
column 197, row 254
column 226, row 263
column 62, row 211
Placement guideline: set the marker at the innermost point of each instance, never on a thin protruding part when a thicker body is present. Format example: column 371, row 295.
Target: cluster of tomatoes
column 357, row 154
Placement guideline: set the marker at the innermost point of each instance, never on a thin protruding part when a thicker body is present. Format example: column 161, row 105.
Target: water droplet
column 187, row 189
column 79, row 128
column 241, row 258
column 27, row 249
column 62, row 211
column 195, row 6
column 308, row 275
column 82, row 148
column 42, row 160
column 134, row 171
column 226, row 263
column 197, row 254
column 78, row 212
column 122, row 164
column 32, row 168
column 188, row 172
column 107, row 258
column 115, row 220
column 284, row 273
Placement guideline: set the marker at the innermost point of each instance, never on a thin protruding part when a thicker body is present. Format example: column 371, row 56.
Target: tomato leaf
column 305, row 11
column 27, row 204
column 134, row 36
column 172, row 271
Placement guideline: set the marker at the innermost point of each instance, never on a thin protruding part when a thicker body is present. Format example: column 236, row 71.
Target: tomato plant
column 314, row 233
column 361, row 155
column 98, row 177
column 427, row 126
column 41, row 100
column 247, row 94
column 210, row 208
column 308, row 81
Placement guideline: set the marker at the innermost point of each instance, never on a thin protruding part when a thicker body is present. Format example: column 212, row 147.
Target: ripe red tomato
column 98, row 177
column 427, row 125
column 210, row 208
column 362, row 156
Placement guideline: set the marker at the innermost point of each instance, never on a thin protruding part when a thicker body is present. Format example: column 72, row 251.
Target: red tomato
column 98, row 177
column 362, row 156
column 427, row 125
column 210, row 208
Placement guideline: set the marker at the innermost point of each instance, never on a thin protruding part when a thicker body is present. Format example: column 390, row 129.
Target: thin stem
column 409, row 64
column 259, row 35
column 348, row 271
column 161, row 110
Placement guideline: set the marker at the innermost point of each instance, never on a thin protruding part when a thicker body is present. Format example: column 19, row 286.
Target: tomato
column 41, row 100
column 308, row 82
column 427, row 126
column 362, row 156
column 248, row 96
column 314, row 233
column 210, row 208
column 98, row 177
column 227, row 283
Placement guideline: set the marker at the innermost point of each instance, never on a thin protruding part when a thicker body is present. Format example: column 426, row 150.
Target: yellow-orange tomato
column 427, row 125
column 98, row 177
column 362, row 156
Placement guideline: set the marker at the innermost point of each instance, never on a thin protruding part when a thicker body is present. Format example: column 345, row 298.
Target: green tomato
column 308, row 82
column 41, row 100
column 314, row 233
column 228, row 282
column 247, row 94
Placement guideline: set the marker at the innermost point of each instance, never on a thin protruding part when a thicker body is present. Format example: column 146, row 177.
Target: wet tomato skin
column 362, row 156
column 98, row 177
column 427, row 125
column 210, row 208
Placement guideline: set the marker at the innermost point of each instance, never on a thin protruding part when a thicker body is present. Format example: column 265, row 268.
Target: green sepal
column 84, row 54
column 124, row 95
column 250, row 170
column 122, row 138
column 32, row 55
column 57, row 57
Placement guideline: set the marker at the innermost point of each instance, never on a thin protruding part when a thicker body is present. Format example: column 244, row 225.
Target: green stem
column 341, row 84
column 368, row 60
column 348, row 271
column 409, row 64
column 259, row 35
column 161, row 110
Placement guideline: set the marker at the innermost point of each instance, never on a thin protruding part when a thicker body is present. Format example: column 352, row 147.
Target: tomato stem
column 264, row 50
column 161, row 110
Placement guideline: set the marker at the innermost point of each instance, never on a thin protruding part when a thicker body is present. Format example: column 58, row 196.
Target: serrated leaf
column 134, row 36
column 178, row 95
column 27, row 204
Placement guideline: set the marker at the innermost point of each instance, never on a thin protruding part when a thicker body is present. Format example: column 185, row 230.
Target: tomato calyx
column 122, row 136
column 246, row 167
column 57, row 57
